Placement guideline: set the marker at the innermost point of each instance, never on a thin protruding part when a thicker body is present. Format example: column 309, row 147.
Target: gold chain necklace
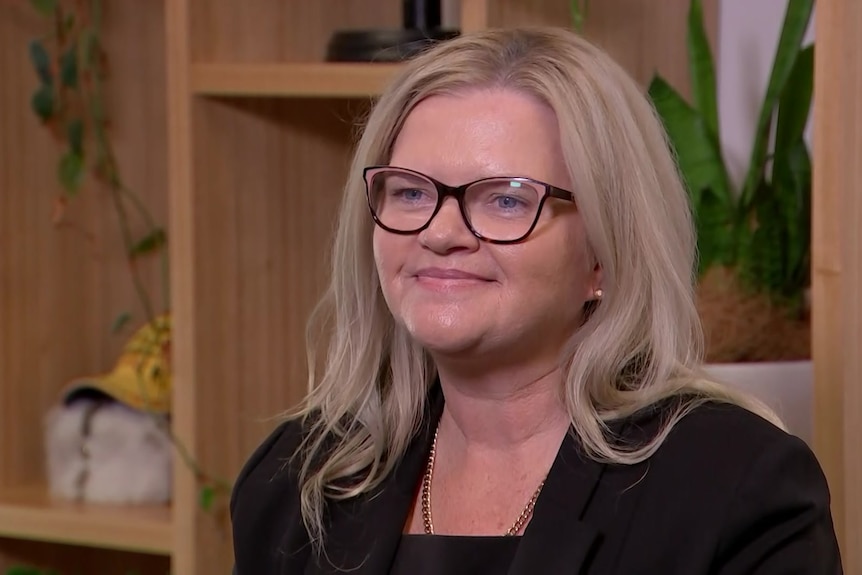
column 426, row 496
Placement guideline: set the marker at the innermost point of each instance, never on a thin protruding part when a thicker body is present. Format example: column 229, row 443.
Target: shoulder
column 264, row 506
column 723, row 427
column 724, row 443
column 269, row 463
column 755, row 492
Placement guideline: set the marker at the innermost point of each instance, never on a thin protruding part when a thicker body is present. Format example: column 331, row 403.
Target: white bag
column 101, row 451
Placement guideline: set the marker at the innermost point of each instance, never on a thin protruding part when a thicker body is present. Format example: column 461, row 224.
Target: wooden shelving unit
column 313, row 80
column 61, row 288
column 28, row 513
column 240, row 135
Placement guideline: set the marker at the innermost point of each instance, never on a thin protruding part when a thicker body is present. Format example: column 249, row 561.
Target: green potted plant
column 754, row 240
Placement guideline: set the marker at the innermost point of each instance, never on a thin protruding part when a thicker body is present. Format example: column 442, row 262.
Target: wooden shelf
column 29, row 513
column 333, row 80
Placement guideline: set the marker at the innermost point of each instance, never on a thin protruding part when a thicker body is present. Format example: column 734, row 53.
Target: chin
column 444, row 339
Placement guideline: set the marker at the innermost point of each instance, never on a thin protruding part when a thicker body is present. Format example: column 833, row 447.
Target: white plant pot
column 786, row 386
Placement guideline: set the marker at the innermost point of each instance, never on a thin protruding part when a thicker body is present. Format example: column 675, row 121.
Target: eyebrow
column 483, row 175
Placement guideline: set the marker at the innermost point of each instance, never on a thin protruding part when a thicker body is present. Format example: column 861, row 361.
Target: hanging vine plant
column 72, row 67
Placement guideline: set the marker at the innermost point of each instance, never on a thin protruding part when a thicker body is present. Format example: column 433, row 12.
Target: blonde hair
column 641, row 345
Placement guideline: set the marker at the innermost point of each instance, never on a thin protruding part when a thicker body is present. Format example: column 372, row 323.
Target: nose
column 448, row 231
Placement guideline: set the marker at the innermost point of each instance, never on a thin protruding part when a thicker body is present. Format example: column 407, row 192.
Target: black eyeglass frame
column 459, row 192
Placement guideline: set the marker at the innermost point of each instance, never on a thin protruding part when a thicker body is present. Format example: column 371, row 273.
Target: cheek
column 382, row 258
column 388, row 260
column 555, row 272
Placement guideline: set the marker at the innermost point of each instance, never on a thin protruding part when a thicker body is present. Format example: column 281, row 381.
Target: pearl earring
column 598, row 293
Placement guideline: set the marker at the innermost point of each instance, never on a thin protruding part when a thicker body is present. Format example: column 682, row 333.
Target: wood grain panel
column 837, row 264
column 279, row 31
column 61, row 288
column 328, row 80
column 268, row 176
column 474, row 15
column 644, row 36
column 267, row 193
column 182, row 249
column 29, row 513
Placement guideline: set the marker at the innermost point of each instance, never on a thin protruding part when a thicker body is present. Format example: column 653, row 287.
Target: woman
column 512, row 382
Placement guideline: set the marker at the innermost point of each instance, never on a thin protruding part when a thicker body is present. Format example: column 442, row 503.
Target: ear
column 595, row 282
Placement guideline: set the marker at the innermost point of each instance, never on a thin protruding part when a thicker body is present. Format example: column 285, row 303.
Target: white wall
column 748, row 36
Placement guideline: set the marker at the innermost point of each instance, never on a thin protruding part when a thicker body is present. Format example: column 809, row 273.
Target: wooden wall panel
column 837, row 264
column 267, row 195
column 279, row 31
column 644, row 36
column 268, row 176
column 182, row 249
column 648, row 37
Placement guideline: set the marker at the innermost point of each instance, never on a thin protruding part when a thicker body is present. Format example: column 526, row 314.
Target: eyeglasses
column 501, row 210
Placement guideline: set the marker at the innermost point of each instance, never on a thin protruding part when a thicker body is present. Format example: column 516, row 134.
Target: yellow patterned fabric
column 141, row 378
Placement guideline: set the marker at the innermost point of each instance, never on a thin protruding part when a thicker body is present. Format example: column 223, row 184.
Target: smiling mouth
column 449, row 281
column 443, row 275
column 440, row 279
column 453, row 276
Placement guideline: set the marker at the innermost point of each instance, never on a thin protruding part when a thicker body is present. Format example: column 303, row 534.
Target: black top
column 727, row 493
column 452, row 555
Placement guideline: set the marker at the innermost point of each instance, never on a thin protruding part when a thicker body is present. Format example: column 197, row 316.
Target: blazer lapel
column 363, row 535
column 557, row 540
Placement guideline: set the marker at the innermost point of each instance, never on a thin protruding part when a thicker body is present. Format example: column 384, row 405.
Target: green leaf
column 44, row 7
column 792, row 34
column 794, row 106
column 206, row 497
column 88, row 43
column 697, row 151
column 43, row 102
column 120, row 322
column 75, row 135
column 41, row 61
column 791, row 177
column 578, row 9
column 792, row 188
column 71, row 171
column 702, row 69
column 714, row 238
column 766, row 264
column 150, row 243
column 69, row 67
column 778, row 262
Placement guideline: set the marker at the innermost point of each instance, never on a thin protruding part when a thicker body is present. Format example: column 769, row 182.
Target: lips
column 448, row 274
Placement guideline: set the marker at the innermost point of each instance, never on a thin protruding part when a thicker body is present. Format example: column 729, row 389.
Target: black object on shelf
column 421, row 28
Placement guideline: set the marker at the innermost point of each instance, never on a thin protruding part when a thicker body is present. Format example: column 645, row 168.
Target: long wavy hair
column 641, row 345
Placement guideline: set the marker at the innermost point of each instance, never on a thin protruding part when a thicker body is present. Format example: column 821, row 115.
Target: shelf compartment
column 30, row 513
column 321, row 80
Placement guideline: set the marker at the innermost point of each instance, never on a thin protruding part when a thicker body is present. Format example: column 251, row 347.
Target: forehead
column 480, row 133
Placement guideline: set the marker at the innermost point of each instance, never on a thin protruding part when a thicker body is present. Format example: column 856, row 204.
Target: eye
column 409, row 194
column 412, row 196
column 508, row 202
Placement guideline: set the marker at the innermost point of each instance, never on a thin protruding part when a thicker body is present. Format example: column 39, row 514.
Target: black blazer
column 727, row 494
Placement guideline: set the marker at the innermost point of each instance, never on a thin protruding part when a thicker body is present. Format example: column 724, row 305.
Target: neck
column 503, row 413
